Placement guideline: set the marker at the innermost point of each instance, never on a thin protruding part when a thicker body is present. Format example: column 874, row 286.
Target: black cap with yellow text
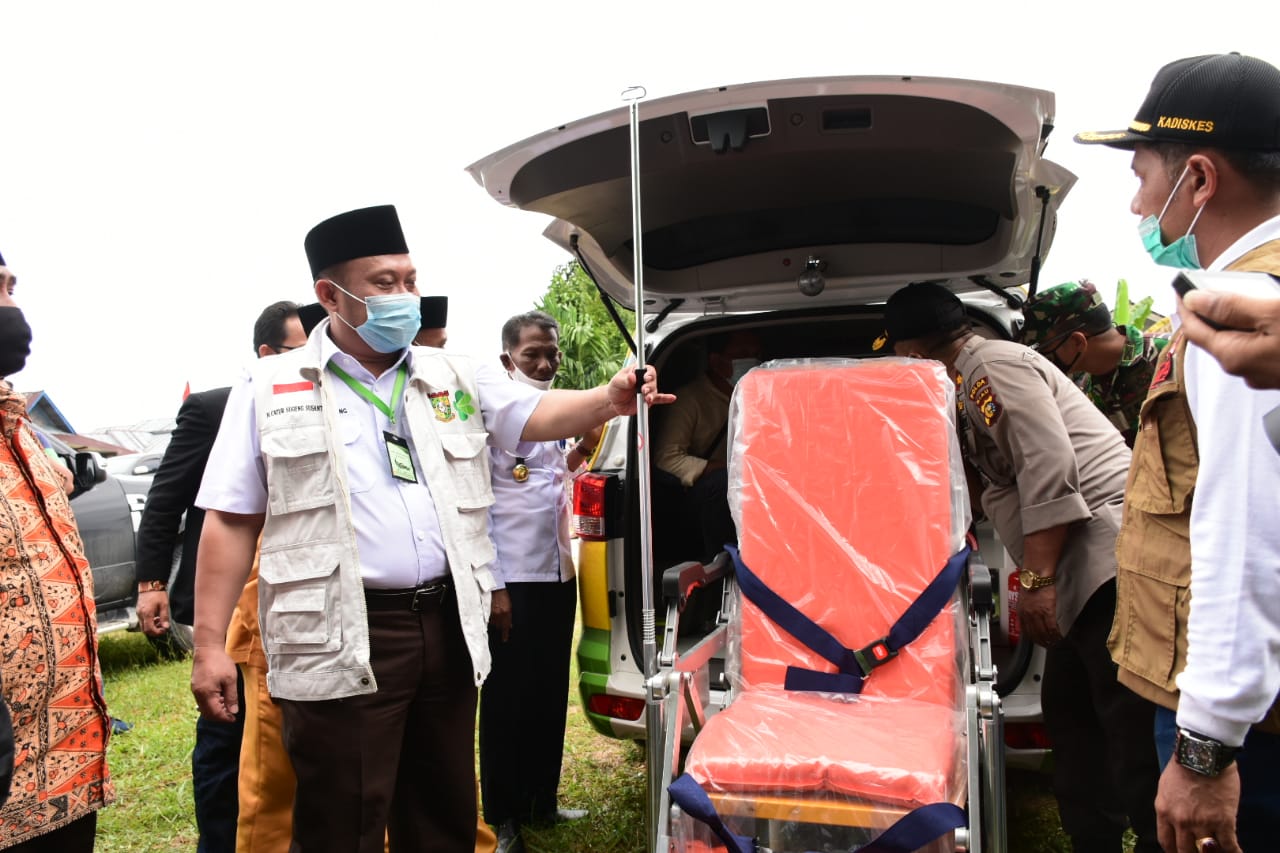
column 919, row 310
column 1221, row 100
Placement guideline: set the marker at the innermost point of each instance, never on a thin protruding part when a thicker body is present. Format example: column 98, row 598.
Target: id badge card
column 399, row 458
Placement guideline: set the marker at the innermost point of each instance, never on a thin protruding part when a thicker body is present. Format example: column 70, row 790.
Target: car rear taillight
column 589, row 506
column 1026, row 736
column 618, row 707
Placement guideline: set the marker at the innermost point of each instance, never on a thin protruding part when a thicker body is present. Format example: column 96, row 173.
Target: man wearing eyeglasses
column 215, row 760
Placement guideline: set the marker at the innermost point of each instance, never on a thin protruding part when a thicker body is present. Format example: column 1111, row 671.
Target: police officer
column 361, row 463
column 1197, row 626
column 1071, row 326
column 1053, row 472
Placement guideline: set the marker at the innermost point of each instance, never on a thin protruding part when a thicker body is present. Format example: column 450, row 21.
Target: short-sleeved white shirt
column 530, row 519
column 398, row 535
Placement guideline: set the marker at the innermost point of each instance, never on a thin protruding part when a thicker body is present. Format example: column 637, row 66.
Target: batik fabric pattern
column 48, row 643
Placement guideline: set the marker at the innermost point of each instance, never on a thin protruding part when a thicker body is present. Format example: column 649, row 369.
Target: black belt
column 414, row 598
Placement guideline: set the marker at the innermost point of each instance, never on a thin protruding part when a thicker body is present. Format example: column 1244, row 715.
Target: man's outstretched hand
column 622, row 390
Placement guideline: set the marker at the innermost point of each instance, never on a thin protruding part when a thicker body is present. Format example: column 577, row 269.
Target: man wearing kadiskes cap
column 361, row 462
column 1197, row 627
column 1052, row 471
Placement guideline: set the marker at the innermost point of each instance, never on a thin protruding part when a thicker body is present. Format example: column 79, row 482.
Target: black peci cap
column 1217, row 101
column 920, row 310
column 310, row 316
column 435, row 312
column 361, row 233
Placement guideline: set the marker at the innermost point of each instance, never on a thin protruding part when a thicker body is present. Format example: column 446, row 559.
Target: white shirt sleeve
column 506, row 406
column 235, row 479
column 1233, row 636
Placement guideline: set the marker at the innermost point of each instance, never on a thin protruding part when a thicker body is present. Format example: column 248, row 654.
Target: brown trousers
column 396, row 766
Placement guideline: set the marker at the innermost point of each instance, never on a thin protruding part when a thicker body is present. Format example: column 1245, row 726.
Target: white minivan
column 793, row 208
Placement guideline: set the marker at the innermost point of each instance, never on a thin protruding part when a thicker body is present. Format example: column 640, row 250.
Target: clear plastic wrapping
column 848, row 493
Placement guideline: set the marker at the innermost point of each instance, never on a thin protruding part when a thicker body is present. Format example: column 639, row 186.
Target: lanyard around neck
column 360, row 388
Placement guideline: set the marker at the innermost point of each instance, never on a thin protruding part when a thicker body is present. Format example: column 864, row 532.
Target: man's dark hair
column 269, row 329
column 513, row 328
column 1259, row 168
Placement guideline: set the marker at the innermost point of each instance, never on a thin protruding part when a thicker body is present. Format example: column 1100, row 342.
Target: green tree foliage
column 593, row 347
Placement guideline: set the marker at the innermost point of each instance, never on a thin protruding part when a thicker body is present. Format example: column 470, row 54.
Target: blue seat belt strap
column 917, row 828
column 852, row 666
column 847, row 678
column 689, row 796
column 910, row 832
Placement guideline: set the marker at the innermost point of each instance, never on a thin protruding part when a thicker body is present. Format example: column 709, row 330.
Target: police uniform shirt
column 1048, row 457
column 398, row 535
column 530, row 518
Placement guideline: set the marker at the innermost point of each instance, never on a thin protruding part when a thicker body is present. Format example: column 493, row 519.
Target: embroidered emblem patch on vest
column 443, row 408
column 1162, row 372
column 462, row 402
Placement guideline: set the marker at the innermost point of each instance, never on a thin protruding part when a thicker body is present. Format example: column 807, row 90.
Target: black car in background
column 108, row 508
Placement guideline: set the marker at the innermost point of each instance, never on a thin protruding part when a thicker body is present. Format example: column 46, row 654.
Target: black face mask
column 1065, row 367
column 15, row 340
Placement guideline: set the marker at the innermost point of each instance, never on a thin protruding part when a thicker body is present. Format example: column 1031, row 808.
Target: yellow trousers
column 266, row 777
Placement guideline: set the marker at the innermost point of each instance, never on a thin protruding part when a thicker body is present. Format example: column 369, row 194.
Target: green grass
column 151, row 766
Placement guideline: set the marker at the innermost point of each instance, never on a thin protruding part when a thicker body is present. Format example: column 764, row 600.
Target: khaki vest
column 1153, row 585
column 310, row 593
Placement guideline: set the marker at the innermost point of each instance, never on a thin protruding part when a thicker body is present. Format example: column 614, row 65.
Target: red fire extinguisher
column 1015, row 584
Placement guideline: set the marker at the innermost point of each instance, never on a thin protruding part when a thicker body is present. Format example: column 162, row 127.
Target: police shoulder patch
column 990, row 410
column 983, row 396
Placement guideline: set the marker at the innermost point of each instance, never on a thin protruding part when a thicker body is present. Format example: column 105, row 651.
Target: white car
column 794, row 208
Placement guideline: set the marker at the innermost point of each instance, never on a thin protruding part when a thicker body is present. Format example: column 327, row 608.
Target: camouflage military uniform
column 1119, row 394
column 1076, row 306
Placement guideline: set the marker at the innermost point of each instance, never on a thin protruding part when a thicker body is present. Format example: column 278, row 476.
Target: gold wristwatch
column 1031, row 580
column 152, row 586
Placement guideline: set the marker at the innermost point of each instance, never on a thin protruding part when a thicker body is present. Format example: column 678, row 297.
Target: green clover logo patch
column 462, row 405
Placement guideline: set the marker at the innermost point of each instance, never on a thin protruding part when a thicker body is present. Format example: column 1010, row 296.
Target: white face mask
column 739, row 367
column 516, row 374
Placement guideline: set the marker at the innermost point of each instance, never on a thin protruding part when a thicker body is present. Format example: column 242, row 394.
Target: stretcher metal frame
column 680, row 693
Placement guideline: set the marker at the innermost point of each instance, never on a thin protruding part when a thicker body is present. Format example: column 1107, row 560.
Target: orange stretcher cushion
column 901, row 753
column 843, row 485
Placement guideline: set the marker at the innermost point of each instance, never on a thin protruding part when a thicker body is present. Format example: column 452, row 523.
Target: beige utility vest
column 1153, row 584
column 310, row 593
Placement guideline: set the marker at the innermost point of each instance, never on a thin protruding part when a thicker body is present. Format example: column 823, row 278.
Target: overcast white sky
column 159, row 166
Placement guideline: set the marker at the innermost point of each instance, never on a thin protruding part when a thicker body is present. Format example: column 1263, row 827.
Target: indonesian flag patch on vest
column 292, row 387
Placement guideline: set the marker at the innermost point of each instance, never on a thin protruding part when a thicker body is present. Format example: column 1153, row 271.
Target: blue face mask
column 392, row 321
column 1181, row 253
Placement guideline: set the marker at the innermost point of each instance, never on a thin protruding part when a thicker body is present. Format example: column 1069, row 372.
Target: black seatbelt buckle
column 876, row 654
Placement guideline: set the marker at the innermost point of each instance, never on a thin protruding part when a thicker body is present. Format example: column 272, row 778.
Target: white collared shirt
column 398, row 535
column 530, row 519
column 1233, row 633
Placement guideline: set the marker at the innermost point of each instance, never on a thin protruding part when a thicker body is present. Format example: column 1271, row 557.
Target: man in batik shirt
column 48, row 632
